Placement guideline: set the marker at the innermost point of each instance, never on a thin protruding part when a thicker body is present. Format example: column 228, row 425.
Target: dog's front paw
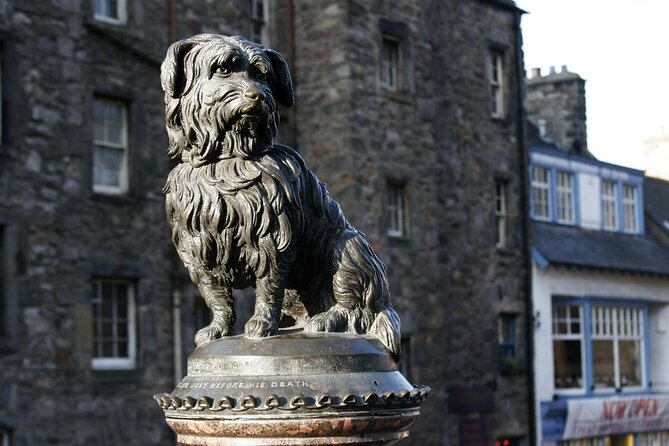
column 208, row 333
column 260, row 326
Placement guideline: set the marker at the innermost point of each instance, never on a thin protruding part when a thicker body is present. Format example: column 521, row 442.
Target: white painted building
column 600, row 295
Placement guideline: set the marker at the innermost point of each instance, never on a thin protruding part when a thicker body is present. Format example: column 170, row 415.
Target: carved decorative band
column 273, row 402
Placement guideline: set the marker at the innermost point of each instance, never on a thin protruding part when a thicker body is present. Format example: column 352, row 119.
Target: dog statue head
column 221, row 97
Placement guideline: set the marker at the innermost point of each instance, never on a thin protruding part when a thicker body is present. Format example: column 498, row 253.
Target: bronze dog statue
column 246, row 212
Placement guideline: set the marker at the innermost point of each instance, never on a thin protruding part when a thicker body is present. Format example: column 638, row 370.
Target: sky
column 621, row 49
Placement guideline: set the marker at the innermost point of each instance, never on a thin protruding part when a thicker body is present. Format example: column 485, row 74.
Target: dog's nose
column 254, row 94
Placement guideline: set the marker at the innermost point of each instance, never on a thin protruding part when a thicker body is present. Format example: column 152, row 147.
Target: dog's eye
column 223, row 71
column 259, row 75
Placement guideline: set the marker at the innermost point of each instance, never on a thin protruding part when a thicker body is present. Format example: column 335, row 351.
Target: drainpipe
column 172, row 18
column 523, row 144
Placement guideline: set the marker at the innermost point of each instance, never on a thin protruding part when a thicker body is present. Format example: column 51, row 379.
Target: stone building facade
column 411, row 113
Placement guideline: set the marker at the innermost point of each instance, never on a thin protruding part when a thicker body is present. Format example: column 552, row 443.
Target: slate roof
column 656, row 201
column 573, row 246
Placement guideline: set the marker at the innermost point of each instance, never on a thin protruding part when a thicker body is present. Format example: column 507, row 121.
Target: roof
column 656, row 201
column 614, row 251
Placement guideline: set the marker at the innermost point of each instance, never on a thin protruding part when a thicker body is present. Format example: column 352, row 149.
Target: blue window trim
column 508, row 344
column 576, row 198
column 551, row 188
column 586, row 302
column 552, row 195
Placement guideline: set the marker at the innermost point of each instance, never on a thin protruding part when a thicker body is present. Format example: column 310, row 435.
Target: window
column 259, row 16
column 568, row 346
column 630, row 214
column 541, row 204
column 500, row 214
column 391, row 62
column 616, row 346
column 506, row 335
column 114, row 345
column 496, row 82
column 111, row 11
column 564, row 187
column 606, row 340
column 110, row 147
column 609, row 207
column 398, row 215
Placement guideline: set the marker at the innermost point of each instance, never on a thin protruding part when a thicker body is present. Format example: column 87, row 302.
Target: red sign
column 596, row 417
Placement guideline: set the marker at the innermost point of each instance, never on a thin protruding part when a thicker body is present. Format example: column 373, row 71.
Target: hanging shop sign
column 596, row 417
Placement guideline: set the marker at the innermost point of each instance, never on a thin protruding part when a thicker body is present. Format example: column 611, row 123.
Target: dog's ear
column 172, row 75
column 282, row 84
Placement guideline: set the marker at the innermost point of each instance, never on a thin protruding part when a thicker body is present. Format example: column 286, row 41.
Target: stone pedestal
column 292, row 389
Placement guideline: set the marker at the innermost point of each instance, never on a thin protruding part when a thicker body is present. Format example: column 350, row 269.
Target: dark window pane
column 122, row 330
column 602, row 362
column 107, row 349
column 122, row 349
column 629, row 353
column 107, row 330
column 568, row 364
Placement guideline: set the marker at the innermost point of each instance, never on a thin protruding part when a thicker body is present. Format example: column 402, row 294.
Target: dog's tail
column 361, row 285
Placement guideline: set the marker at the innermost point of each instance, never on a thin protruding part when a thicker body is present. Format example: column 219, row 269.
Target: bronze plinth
column 293, row 389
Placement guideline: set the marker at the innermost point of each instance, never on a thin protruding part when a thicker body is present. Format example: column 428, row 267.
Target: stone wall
column 555, row 103
column 436, row 136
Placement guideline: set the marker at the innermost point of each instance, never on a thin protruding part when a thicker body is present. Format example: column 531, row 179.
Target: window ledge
column 115, row 376
column 403, row 96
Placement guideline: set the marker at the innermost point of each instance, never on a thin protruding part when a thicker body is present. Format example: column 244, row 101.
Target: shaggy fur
column 247, row 212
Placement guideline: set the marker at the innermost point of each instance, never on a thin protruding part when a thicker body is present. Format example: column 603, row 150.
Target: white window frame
column 121, row 12
column 542, row 187
column 618, row 323
column 122, row 188
column 569, row 336
column 609, row 198
column 630, row 205
column 118, row 362
column 398, row 210
column 391, row 75
column 564, row 197
column 257, row 20
column 500, row 213
column 496, row 82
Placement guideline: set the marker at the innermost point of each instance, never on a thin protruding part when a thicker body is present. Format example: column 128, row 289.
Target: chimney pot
column 564, row 69
column 552, row 70
column 536, row 72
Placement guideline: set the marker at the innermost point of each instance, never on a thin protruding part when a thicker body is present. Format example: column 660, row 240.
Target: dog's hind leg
column 361, row 291
column 219, row 300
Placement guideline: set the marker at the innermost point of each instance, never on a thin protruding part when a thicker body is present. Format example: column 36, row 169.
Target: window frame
column 256, row 20
column 586, row 304
column 121, row 12
column 128, row 362
column 501, row 213
column 611, row 199
column 507, row 336
column 625, row 204
column 123, row 147
column 571, row 337
column 560, row 191
column 534, row 184
column 395, row 43
column 496, row 84
column 397, row 210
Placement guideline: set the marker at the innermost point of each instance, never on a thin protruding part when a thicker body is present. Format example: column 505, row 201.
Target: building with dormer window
column 600, row 297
